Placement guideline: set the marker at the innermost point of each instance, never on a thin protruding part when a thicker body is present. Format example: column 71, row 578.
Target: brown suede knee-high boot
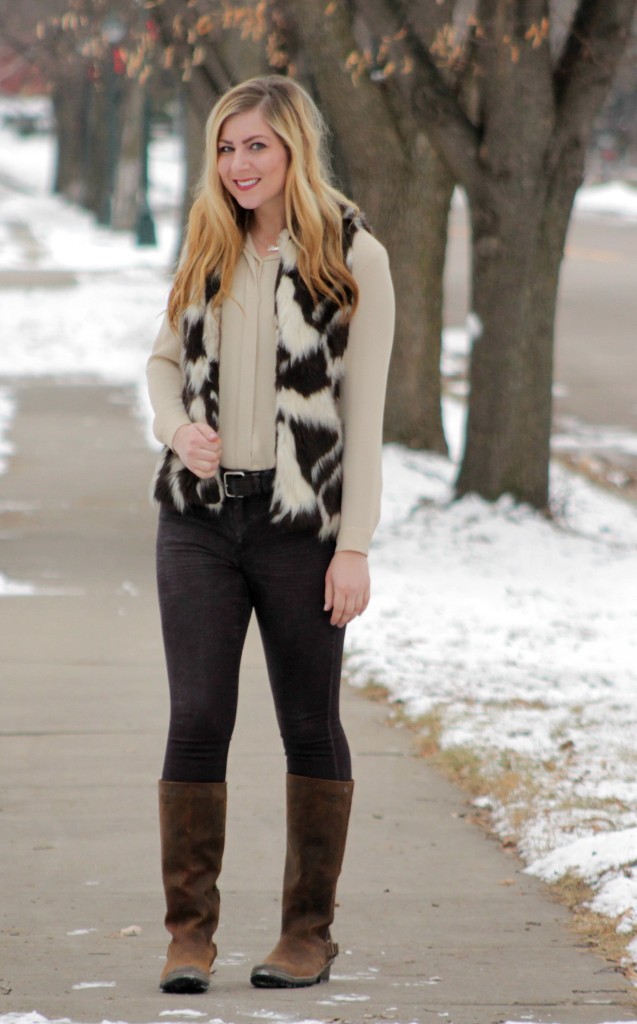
column 192, row 818
column 317, row 819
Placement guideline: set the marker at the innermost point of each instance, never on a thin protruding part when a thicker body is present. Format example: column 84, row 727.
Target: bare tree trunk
column 416, row 239
column 534, row 414
column 128, row 169
column 104, row 141
column 199, row 96
column 71, row 104
column 515, row 282
column 497, row 459
column 97, row 150
column 507, row 208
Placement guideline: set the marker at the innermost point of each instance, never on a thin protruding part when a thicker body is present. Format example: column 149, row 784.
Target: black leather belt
column 239, row 483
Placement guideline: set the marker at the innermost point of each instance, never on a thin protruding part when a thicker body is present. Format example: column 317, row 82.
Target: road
column 596, row 330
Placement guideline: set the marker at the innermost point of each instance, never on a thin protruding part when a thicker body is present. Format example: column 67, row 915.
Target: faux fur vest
column 311, row 343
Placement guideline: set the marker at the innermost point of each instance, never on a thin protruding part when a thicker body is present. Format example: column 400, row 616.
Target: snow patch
column 182, row 1013
column 614, row 197
column 10, row 588
column 95, row 984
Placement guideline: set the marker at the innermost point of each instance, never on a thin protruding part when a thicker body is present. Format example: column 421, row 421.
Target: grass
column 376, row 692
column 603, row 472
column 598, row 932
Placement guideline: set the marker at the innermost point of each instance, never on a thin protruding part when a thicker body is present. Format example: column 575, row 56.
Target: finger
column 354, row 605
column 339, row 611
column 207, row 432
column 350, row 611
column 329, row 592
column 206, row 459
column 207, row 453
column 201, row 467
column 204, row 466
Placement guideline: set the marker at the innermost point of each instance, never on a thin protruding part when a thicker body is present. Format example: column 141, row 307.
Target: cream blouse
column 247, row 394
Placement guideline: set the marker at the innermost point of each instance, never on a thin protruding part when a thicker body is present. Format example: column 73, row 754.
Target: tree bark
column 417, row 242
column 128, row 170
column 71, row 104
column 508, row 417
column 498, row 458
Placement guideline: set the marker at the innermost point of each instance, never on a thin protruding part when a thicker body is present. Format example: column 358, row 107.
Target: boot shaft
column 318, row 813
column 192, row 820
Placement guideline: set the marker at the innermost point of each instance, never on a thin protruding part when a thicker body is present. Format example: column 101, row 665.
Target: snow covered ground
column 514, row 636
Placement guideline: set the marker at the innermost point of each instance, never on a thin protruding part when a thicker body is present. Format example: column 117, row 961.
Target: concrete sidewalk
column 435, row 920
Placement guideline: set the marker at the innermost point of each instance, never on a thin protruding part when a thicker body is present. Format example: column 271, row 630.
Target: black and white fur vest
column 311, row 343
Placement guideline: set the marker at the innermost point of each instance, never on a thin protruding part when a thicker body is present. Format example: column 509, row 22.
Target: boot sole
column 182, row 983
column 271, row 977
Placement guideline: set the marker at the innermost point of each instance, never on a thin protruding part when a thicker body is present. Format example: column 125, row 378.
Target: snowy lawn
column 513, row 637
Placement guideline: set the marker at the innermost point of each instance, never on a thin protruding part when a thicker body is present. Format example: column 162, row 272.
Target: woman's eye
column 225, row 149
column 257, row 145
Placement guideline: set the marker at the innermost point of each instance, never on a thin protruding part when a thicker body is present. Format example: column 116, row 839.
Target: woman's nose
column 240, row 160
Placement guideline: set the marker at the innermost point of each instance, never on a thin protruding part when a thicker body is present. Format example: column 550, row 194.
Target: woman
column 267, row 380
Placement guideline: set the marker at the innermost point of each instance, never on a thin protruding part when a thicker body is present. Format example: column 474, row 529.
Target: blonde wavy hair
column 217, row 225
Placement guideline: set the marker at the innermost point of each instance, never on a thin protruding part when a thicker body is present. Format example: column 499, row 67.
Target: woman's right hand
column 199, row 448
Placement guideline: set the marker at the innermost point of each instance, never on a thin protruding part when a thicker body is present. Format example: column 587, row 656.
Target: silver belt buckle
column 231, row 472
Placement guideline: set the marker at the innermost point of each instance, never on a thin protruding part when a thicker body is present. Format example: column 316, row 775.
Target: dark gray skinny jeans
column 212, row 570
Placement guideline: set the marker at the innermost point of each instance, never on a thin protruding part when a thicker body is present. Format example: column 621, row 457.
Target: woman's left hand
column 346, row 587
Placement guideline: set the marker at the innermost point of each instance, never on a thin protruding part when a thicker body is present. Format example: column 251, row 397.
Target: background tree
column 518, row 148
column 73, row 45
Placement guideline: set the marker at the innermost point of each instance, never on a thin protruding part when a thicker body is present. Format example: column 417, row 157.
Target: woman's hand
column 199, row 448
column 346, row 587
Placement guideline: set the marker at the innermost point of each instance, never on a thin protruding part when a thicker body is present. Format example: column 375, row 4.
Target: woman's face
column 252, row 162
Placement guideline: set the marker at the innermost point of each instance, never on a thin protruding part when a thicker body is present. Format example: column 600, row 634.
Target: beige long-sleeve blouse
column 247, row 375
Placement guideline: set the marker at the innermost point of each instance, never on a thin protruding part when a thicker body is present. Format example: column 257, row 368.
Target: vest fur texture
column 311, row 344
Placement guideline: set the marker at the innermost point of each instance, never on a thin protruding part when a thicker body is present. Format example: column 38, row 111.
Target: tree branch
column 431, row 99
column 438, row 111
column 592, row 51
